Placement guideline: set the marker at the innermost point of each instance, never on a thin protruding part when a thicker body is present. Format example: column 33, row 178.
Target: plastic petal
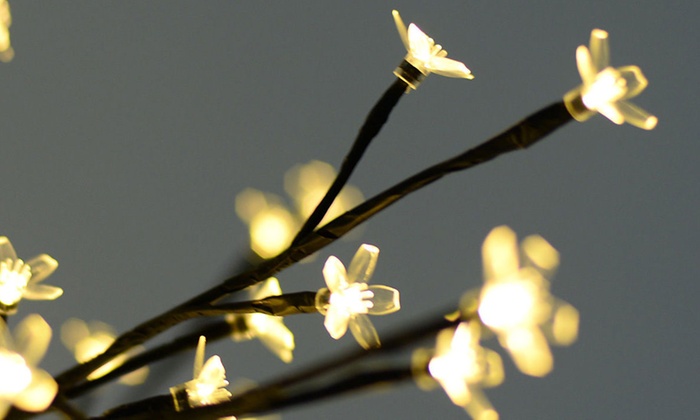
column 385, row 300
column 335, row 275
column 336, row 322
column 636, row 116
column 270, row 287
column 279, row 340
column 39, row 394
column 612, row 112
column 364, row 332
column 42, row 292
column 500, row 253
column 32, row 338
column 213, row 372
column 199, row 356
column 635, row 82
column 600, row 51
column 584, row 62
column 449, row 68
column 401, row 28
column 363, row 264
column 42, row 266
column 419, row 42
column 6, row 249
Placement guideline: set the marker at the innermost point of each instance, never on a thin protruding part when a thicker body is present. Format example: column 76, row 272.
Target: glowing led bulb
column 22, row 384
column 463, row 367
column 349, row 299
column 269, row 329
column 21, row 280
column 88, row 341
column 424, row 57
column 516, row 304
column 208, row 385
column 606, row 89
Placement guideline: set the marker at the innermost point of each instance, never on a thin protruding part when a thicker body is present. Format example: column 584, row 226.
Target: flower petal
column 449, row 68
column 213, row 372
column 42, row 266
column 336, row 322
column 270, row 287
column 363, row 264
column 401, row 28
column 39, row 394
column 363, row 331
column 585, row 65
column 612, row 112
column 385, row 300
column 419, row 42
column 199, row 356
column 634, row 80
column 335, row 275
column 42, row 292
column 600, row 51
column 279, row 340
column 636, row 116
column 500, row 254
column 32, row 338
column 6, row 249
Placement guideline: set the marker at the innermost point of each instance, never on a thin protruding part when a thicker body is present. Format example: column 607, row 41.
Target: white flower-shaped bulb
column 425, row 56
column 516, row 304
column 87, row 341
column 606, row 89
column 21, row 280
column 22, row 384
column 349, row 299
column 269, row 329
column 6, row 51
column 208, row 385
column 463, row 367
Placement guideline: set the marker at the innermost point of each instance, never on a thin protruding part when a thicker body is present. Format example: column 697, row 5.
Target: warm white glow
column 271, row 231
column 14, row 276
column 6, row 51
column 507, row 305
column 16, row 375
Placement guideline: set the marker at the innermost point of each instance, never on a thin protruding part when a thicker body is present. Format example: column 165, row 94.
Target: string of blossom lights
column 349, row 299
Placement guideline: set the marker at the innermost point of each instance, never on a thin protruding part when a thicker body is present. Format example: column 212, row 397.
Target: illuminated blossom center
column 356, row 299
column 16, row 375
column 609, row 87
column 507, row 305
column 14, row 276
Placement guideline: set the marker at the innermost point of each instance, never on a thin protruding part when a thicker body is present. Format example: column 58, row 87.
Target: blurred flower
column 269, row 329
column 21, row 280
column 516, row 304
column 6, row 51
column 272, row 224
column 22, row 384
column 348, row 298
column 606, row 89
column 208, row 386
column 88, row 341
column 425, row 56
column 463, row 367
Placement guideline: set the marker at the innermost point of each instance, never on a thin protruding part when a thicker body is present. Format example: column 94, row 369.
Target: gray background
column 128, row 128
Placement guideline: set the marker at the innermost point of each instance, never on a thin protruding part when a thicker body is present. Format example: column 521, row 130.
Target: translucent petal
column 636, row 116
column 6, row 249
column 585, row 65
column 401, row 28
column 363, row 264
column 42, row 292
column 540, row 253
column 213, row 372
column 363, row 331
column 199, row 356
column 385, row 300
column 72, row 331
column 449, row 68
column 530, row 352
column 42, row 266
column 279, row 340
column 500, row 253
column 600, row 52
column 270, row 287
column 32, row 338
column 336, row 322
column 39, row 394
column 419, row 42
column 335, row 275
column 634, row 80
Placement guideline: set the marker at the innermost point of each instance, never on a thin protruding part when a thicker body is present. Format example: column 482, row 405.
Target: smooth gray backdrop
column 128, row 128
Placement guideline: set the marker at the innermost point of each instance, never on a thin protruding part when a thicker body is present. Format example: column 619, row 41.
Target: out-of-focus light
column 208, row 385
column 21, row 280
column 349, row 299
column 606, row 89
column 425, row 56
column 22, row 383
column 269, row 329
column 516, row 304
column 6, row 51
column 88, row 341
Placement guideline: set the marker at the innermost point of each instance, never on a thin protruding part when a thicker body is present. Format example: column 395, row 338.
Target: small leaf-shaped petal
column 42, row 266
column 39, row 394
column 32, row 338
column 7, row 251
column 335, row 275
column 364, row 332
column 336, row 321
column 385, row 300
column 600, row 52
column 363, row 264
